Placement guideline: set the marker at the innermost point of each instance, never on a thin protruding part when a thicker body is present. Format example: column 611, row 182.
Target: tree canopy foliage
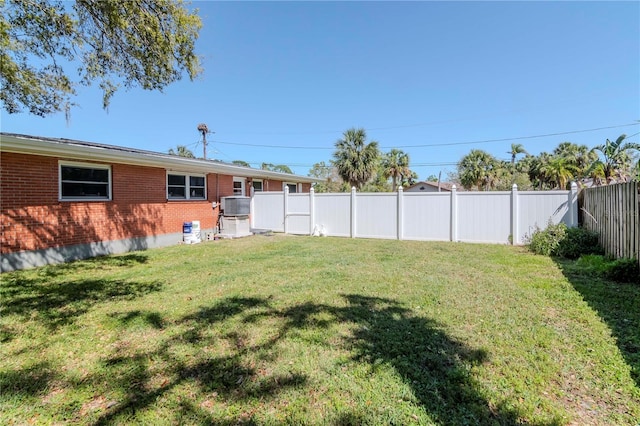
column 329, row 174
column 133, row 43
column 395, row 164
column 355, row 159
column 282, row 168
column 241, row 163
column 616, row 157
column 567, row 162
column 182, row 151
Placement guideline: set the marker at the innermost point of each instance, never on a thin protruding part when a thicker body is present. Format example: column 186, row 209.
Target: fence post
column 454, row 213
column 573, row 205
column 400, row 196
column 515, row 236
column 353, row 212
column 312, row 210
column 286, row 208
column 252, row 213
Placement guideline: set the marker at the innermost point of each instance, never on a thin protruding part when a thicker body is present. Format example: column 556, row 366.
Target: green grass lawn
column 299, row 330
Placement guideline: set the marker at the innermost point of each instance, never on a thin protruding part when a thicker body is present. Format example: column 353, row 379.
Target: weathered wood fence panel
column 613, row 211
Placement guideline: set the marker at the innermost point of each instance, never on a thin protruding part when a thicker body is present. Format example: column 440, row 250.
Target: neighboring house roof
column 81, row 150
column 444, row 186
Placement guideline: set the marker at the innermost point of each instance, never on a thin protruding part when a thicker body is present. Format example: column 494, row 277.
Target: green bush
column 621, row 270
column 547, row 241
column 558, row 240
column 577, row 242
column 624, row 271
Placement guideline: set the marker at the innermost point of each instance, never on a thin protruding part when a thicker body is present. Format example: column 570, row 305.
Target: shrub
column 624, row 271
column 558, row 240
column 621, row 270
column 594, row 264
column 547, row 241
column 577, row 242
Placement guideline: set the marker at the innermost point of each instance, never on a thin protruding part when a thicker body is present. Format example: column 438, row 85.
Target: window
column 257, row 185
column 293, row 187
column 238, row 186
column 84, row 181
column 186, row 187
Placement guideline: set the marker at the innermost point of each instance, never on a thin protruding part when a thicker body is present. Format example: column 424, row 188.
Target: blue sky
column 283, row 80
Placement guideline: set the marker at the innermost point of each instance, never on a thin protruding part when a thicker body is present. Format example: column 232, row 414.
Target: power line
column 437, row 144
column 517, row 138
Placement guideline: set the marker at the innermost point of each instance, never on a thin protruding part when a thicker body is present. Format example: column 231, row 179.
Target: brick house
column 63, row 199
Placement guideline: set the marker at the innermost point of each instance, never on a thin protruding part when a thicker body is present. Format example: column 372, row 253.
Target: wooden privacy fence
column 613, row 211
column 491, row 217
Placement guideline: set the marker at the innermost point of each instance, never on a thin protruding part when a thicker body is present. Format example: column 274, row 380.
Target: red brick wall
column 276, row 185
column 33, row 218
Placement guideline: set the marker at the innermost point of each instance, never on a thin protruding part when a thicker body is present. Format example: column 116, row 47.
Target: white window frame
column 243, row 186
column 285, row 184
column 96, row 166
column 187, row 184
column 261, row 185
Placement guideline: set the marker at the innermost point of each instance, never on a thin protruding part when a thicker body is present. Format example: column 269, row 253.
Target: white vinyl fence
column 490, row 217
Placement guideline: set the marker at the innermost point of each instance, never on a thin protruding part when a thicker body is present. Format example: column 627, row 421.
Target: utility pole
column 202, row 128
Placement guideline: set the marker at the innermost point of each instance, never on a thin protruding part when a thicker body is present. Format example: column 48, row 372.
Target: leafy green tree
column 355, row 159
column 378, row 182
column 616, row 158
column 395, row 164
column 241, row 163
column 332, row 180
column 282, row 168
column 432, row 178
column 477, row 170
column 182, row 151
column 133, row 43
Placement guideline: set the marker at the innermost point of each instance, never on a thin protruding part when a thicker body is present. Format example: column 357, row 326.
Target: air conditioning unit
column 235, row 206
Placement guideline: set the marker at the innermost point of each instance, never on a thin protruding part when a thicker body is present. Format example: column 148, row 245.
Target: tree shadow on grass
column 98, row 262
column 435, row 366
column 39, row 295
column 227, row 375
column 618, row 304
column 58, row 304
column 26, row 381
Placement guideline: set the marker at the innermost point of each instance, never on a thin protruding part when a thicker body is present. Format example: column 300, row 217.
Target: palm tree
column 560, row 171
column 355, row 159
column 538, row 171
column 182, row 151
column 476, row 169
column 516, row 149
column 616, row 157
column 395, row 164
column 578, row 155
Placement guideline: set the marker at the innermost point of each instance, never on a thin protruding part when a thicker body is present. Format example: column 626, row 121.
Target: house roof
column 444, row 186
column 81, row 150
